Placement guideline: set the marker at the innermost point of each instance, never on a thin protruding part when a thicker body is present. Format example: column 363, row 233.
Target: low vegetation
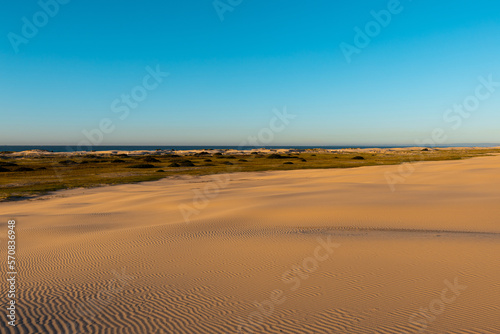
column 23, row 177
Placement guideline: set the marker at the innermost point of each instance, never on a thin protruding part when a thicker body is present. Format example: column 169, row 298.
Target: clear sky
column 230, row 64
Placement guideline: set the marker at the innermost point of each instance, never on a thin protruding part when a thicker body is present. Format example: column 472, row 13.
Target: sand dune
column 309, row 251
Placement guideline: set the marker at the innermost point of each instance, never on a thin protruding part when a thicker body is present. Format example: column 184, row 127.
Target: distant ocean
column 51, row 148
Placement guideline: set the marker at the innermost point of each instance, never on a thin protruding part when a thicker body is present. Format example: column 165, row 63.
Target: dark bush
column 242, row 160
column 358, row 157
column 160, row 171
column 150, row 159
column 4, row 169
column 142, row 166
column 229, row 163
column 24, row 169
column 174, row 164
column 208, row 160
column 41, row 168
column 425, row 149
column 303, row 160
column 67, row 162
column 288, row 163
column 8, row 164
column 118, row 161
column 276, row 156
column 185, row 163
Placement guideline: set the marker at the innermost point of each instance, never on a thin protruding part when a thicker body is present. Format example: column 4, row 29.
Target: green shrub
column 151, row 159
column 185, row 163
column 276, row 156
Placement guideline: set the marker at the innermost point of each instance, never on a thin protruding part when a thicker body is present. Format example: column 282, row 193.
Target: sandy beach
column 305, row 251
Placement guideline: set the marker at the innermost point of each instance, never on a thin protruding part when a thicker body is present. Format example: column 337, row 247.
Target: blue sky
column 226, row 76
